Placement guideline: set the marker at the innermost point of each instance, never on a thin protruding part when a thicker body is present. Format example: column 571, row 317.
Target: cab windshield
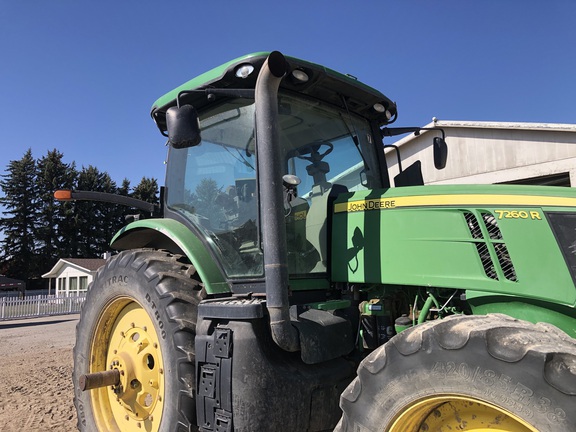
column 213, row 185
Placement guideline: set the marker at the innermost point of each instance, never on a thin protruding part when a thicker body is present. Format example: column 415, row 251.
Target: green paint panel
column 563, row 318
column 420, row 236
column 412, row 247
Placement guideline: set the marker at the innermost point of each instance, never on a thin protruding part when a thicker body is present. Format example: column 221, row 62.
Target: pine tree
column 147, row 190
column 120, row 211
column 210, row 203
column 37, row 231
column 20, row 201
column 55, row 221
column 125, row 188
column 97, row 221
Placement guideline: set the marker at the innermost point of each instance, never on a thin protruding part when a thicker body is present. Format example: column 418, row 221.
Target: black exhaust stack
column 271, row 202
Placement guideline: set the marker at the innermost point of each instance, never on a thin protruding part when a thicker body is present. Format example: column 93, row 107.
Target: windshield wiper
column 354, row 134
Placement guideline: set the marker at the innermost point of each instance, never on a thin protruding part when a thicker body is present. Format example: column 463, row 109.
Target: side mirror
column 183, row 127
column 440, row 153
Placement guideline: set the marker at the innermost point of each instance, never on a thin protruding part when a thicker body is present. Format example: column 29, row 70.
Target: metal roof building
column 494, row 152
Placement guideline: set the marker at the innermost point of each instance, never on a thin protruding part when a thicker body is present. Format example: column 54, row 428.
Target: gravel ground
column 36, row 392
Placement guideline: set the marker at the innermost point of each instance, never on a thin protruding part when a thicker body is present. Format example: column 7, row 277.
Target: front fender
column 177, row 238
column 561, row 316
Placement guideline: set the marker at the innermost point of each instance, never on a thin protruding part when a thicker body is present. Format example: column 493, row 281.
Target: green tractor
column 285, row 285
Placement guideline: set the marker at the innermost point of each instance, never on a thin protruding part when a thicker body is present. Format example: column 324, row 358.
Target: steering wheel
column 311, row 152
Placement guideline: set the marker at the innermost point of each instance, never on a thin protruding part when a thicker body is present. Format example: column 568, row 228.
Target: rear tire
column 140, row 318
column 466, row 373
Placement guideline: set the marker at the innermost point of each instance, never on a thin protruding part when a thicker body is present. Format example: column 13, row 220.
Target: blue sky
column 81, row 76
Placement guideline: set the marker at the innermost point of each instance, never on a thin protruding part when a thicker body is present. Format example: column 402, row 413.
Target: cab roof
column 323, row 83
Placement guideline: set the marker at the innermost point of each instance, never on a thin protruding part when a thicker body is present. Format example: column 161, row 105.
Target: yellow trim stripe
column 455, row 200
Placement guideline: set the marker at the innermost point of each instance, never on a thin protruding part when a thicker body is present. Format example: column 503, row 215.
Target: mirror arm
column 433, row 129
column 389, row 132
column 395, row 147
column 74, row 195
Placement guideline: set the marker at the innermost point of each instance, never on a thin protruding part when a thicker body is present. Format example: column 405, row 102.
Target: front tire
column 140, row 318
column 472, row 373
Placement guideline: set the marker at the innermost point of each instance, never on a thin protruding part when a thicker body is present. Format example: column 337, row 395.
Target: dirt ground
column 36, row 374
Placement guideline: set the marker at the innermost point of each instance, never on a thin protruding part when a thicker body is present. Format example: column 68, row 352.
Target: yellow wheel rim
column 457, row 413
column 126, row 340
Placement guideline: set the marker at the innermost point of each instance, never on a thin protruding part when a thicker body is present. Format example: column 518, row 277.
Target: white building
column 494, row 152
column 71, row 276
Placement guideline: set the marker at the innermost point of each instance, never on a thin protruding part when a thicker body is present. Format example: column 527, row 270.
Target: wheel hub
column 447, row 413
column 136, row 401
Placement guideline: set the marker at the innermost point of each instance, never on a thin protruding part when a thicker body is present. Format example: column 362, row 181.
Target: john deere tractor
column 286, row 283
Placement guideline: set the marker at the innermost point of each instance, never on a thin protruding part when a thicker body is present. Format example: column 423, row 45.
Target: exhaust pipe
column 269, row 162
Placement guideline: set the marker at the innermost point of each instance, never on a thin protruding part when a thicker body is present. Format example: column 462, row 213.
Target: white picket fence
column 37, row 306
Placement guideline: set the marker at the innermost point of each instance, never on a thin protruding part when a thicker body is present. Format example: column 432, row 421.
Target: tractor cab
column 326, row 145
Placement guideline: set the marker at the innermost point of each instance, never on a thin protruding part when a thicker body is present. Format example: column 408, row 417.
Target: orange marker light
column 63, row 195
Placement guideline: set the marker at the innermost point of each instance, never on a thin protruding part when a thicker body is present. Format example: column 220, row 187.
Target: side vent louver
column 491, row 226
column 505, row 262
column 490, row 238
column 486, row 260
column 473, row 226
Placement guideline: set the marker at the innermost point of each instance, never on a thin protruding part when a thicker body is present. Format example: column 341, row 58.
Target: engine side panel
column 451, row 238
